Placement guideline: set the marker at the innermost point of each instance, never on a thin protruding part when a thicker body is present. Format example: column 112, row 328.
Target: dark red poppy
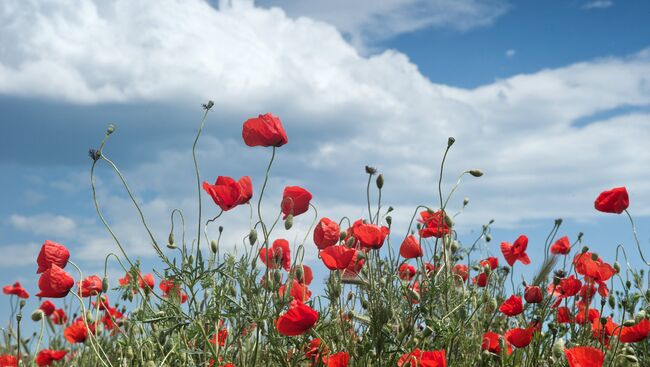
column 297, row 320
column 295, row 201
column 340, row 359
column 77, row 332
column 278, row 255
column 585, row 357
column 636, row 333
column 491, row 343
column 406, row 272
column 52, row 253
column 59, row 317
column 520, row 337
column 265, row 130
column 54, row 283
column 533, row 294
column 461, row 271
column 47, row 356
column 146, row 281
column 561, row 246
column 337, row 257
column 612, row 201
column 370, row 236
column 434, row 224
column 16, row 290
column 480, row 280
column 8, row 360
column 298, row 291
column 47, row 307
column 563, row 315
column 420, row 358
column 326, row 233
column 516, row 251
column 228, row 193
column 410, row 248
column 493, row 262
column 512, row 306
column 90, row 286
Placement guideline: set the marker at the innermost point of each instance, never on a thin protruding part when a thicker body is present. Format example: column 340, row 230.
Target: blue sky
column 551, row 99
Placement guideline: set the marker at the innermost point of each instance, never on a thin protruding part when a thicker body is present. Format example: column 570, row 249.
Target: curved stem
column 198, row 176
column 636, row 238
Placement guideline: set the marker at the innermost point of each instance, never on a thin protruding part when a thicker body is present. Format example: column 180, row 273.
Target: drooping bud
column 171, row 243
column 105, row 285
column 380, row 181
column 214, row 246
column 389, row 220
column 617, row 267
column 252, row 237
column 37, row 315
column 476, row 172
column 288, row 223
column 450, row 141
column 300, row 274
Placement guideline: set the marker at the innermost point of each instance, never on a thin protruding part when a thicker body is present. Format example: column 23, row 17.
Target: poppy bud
column 364, row 304
column 19, row 317
column 465, row 201
column 390, row 209
column 594, row 256
column 208, row 106
column 631, row 359
column 389, row 220
column 371, row 170
column 488, row 238
column 533, row 294
column 288, row 223
column 380, row 181
column 612, row 301
column 129, row 353
column 617, row 267
column 558, row 348
column 252, row 237
column 37, row 315
column 350, row 242
column 104, row 285
column 640, row 315
column 300, row 274
column 170, row 241
column 214, row 246
column 450, row 141
column 110, row 129
column 584, row 249
column 476, row 172
column 628, row 284
column 277, row 276
column 454, row 246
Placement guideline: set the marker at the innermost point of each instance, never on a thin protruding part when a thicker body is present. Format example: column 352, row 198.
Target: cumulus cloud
column 598, row 4
column 44, row 224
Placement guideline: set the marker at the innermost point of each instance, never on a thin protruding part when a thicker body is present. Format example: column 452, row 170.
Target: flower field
column 419, row 298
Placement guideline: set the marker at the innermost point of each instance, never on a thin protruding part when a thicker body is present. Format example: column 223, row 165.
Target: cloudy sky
column 550, row 99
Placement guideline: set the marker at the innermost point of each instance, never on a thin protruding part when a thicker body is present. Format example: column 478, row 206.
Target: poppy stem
column 636, row 238
column 198, row 176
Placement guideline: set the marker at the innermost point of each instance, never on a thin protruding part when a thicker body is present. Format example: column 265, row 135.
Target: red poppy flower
column 146, row 281
column 337, row 257
column 47, row 356
column 77, row 332
column 420, row 358
column 170, row 287
column 54, row 283
column 563, row 315
column 602, row 332
column 561, row 246
column 594, row 268
column 370, row 236
column 315, row 349
column 103, row 303
column 516, row 251
column 47, row 307
column 228, row 193
column 491, row 343
column 480, row 280
column 265, row 130
column 435, row 224
column 493, row 262
column 90, row 286
column 8, row 360
column 533, row 294
column 612, row 201
column 410, row 248
column 298, row 291
column 590, row 316
column 512, row 306
column 339, row 359
column 636, row 333
column 461, row 270
column 307, row 274
column 406, row 272
column 354, row 267
column 52, row 253
column 326, row 233
column 125, row 280
column 584, row 357
column 567, row 287
column 280, row 255
column 220, row 337
column 295, row 201
column 111, row 317
column 16, row 290
column 520, row 337
column 297, row 320
column 59, row 317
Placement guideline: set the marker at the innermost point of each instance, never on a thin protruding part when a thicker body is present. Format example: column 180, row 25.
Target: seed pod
column 214, row 246
column 585, row 249
column 380, row 181
column 89, row 316
column 252, row 237
column 476, row 172
column 288, row 223
column 488, row 238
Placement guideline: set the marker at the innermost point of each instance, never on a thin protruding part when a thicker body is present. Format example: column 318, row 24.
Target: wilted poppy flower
column 278, row 255
column 563, row 315
column 461, row 270
column 298, row 291
column 8, row 360
column 516, row 251
column 59, row 317
column 16, row 290
column 297, row 320
column 54, row 283
column 52, row 253
column 435, row 224
column 410, row 248
column 326, row 233
column 406, row 272
column 265, row 130
column 77, row 332
column 47, row 356
column 337, row 257
column 519, row 337
column 561, row 246
column 636, row 333
column 340, row 359
column 47, row 307
column 512, row 306
column 370, row 236
column 295, row 201
column 420, row 358
column 491, row 343
column 612, row 201
column 228, row 193
column 90, row 286
column 533, row 294
column 146, row 281
column 584, row 357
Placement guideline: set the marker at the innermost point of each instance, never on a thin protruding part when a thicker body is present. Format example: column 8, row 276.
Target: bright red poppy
column 54, row 283
column 337, row 257
column 146, row 281
column 406, row 272
column 410, row 248
column 90, row 286
column 326, row 233
column 512, row 306
column 265, row 130
column 370, row 236
column 298, row 291
column 77, row 332
column 340, row 359
column 15, row 290
column 46, row 356
column 220, row 337
column 315, row 349
column 520, row 337
column 594, row 269
column 111, row 317
column 612, row 201
column 533, row 294
column 584, row 317
column 47, row 307
column 602, row 332
column 636, row 333
column 435, row 224
column 8, row 360
column 561, row 247
column 490, row 343
column 493, row 262
column 297, row 320
column 52, row 253
column 461, row 270
column 228, row 193
column 59, row 317
column 516, row 251
column 170, row 287
column 563, row 315
column 295, row 201
column 279, row 255
column 584, row 357
column 420, row 358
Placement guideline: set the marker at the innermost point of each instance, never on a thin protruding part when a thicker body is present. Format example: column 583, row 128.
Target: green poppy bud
column 476, row 172
column 105, row 285
column 110, row 129
column 214, row 246
column 288, row 223
column 37, row 315
column 380, row 181
column 450, row 141
column 252, row 237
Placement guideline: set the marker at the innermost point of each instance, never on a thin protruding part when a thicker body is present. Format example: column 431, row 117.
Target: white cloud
column 21, row 255
column 510, row 53
column 44, row 224
column 598, row 4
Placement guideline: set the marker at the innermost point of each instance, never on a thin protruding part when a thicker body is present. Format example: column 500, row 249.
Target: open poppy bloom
column 47, row 307
column 512, row 306
column 297, row 320
column 636, row 333
column 298, row 291
column 516, row 251
column 410, row 248
column 563, row 315
column 435, row 224
column 337, row 257
column 295, row 201
column 406, row 272
column 54, row 283
column 278, row 255
column 111, row 317
column 602, row 332
column 90, row 286
column 52, row 253
column 491, row 261
column 146, row 281
column 47, row 356
column 220, row 337
column 8, row 360
column 15, row 290
column 585, row 357
column 370, row 236
column 519, row 337
column 561, row 246
column 594, row 269
column 77, row 332
column 491, row 343
column 326, row 233
column 228, row 193
column 420, row 358
column 340, row 359
column 265, row 130
column 612, row 201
